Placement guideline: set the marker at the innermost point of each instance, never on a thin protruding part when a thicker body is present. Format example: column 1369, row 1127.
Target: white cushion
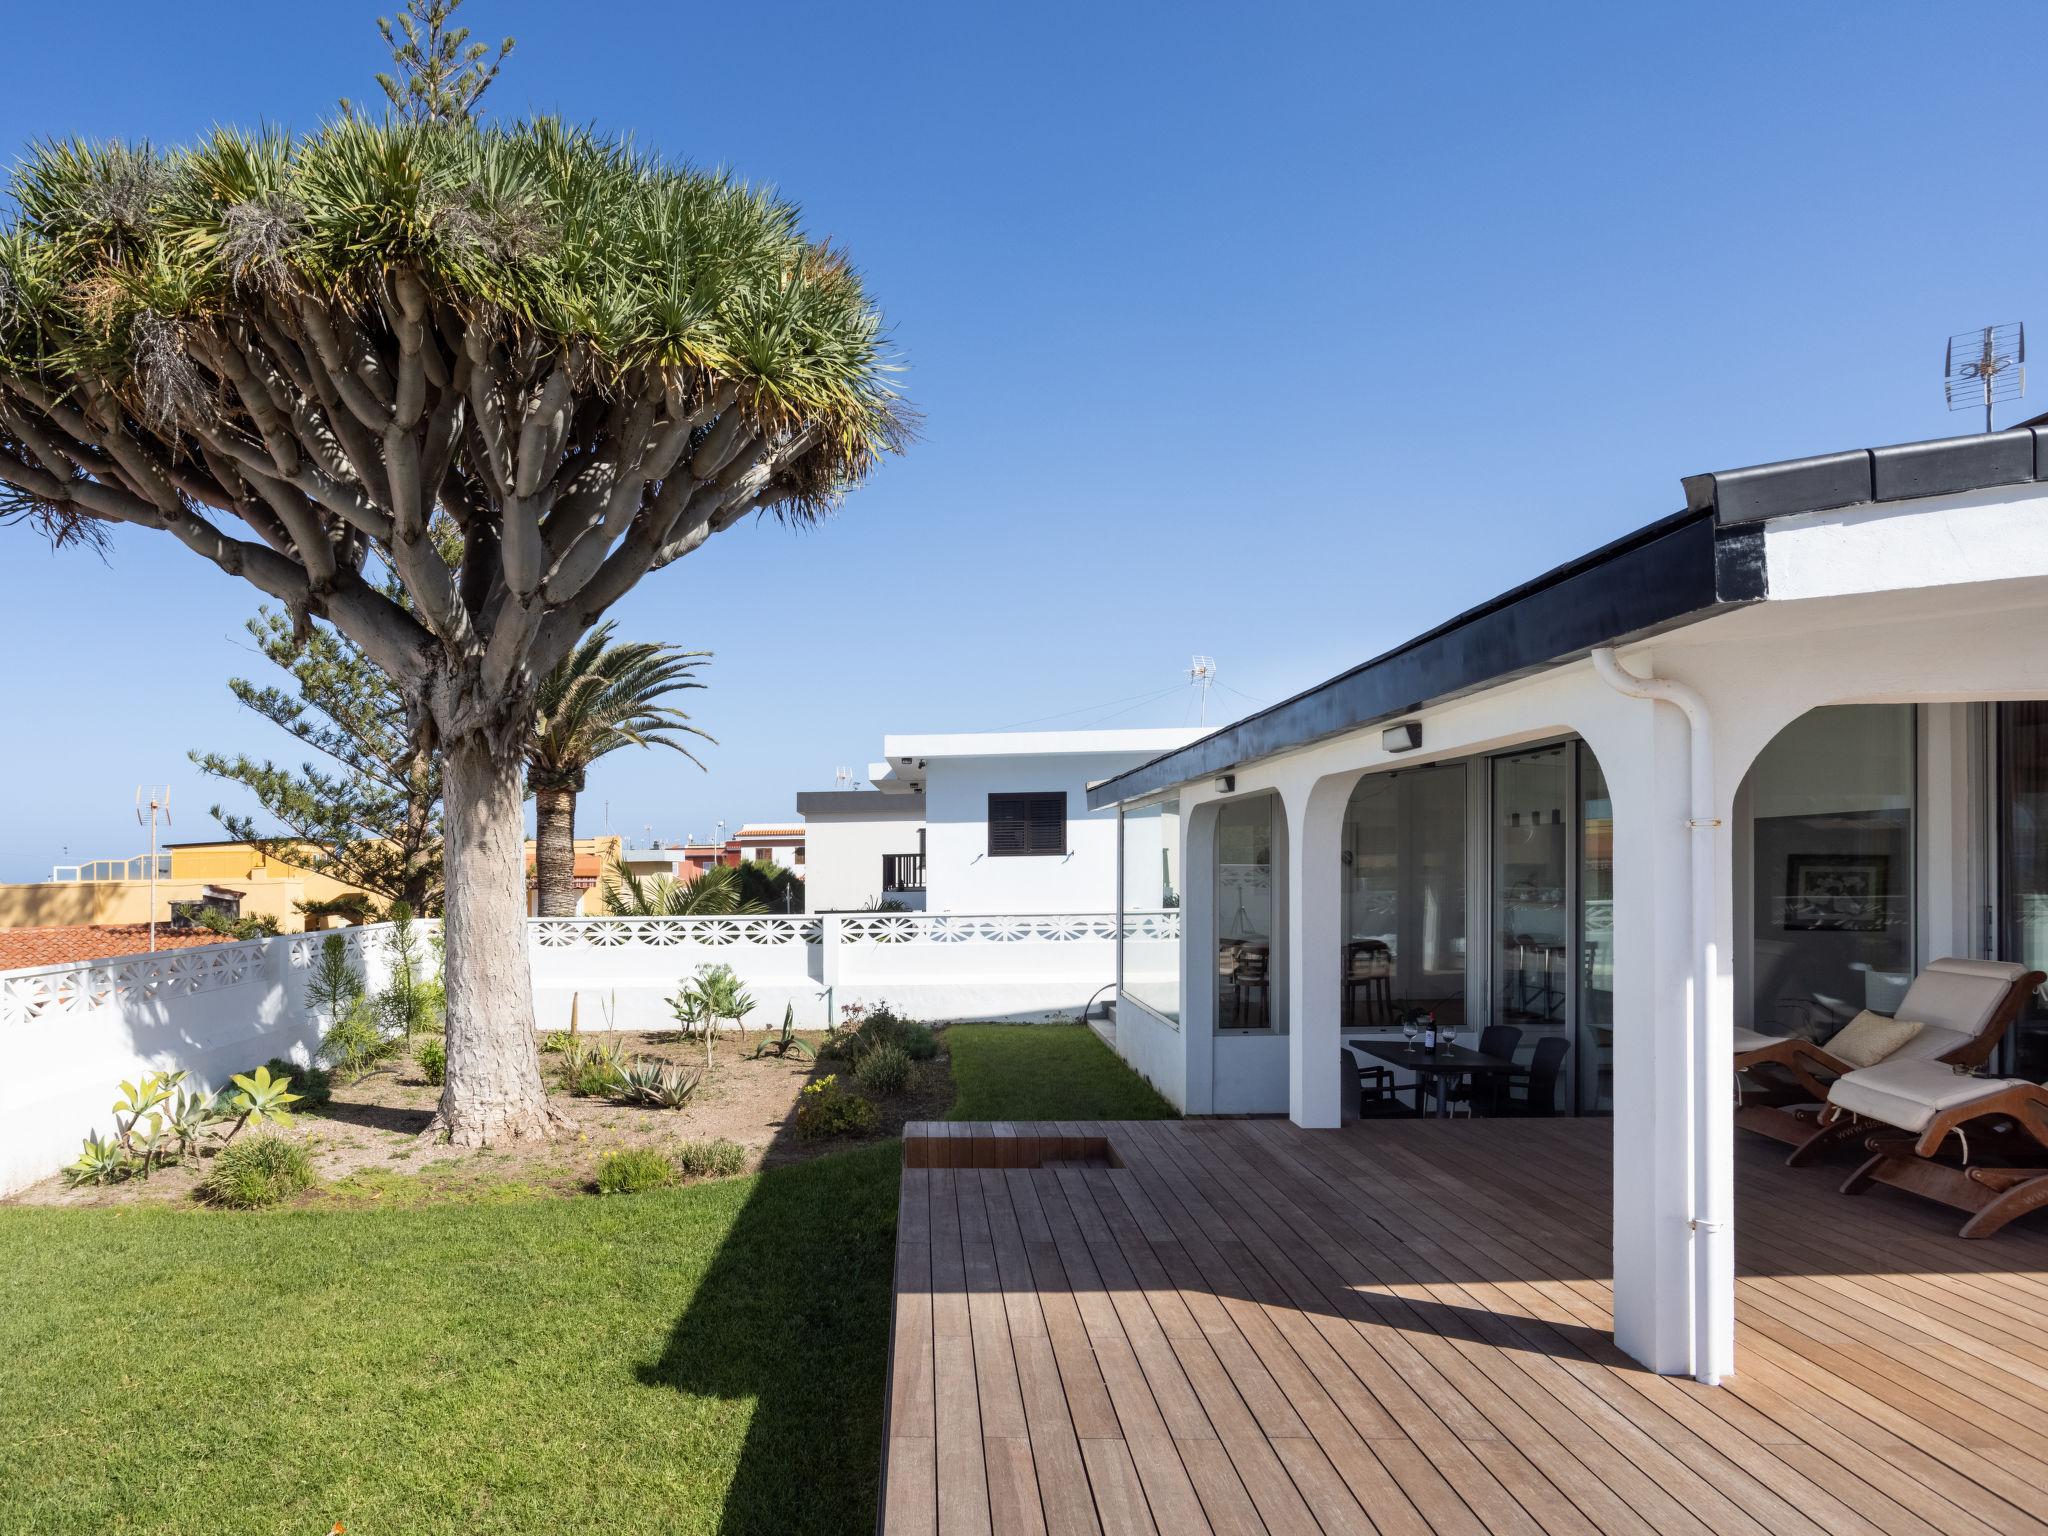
column 1909, row 1094
column 1958, row 994
column 1932, row 1041
column 1752, row 1040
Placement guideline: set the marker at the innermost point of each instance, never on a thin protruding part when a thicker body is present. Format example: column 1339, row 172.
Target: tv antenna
column 158, row 798
column 1985, row 365
column 1202, row 673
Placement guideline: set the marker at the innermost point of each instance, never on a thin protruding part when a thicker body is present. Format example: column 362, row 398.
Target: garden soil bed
column 367, row 1148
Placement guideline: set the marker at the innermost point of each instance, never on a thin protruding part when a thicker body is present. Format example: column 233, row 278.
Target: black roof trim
column 1940, row 466
column 1676, row 570
column 854, row 802
column 1657, row 577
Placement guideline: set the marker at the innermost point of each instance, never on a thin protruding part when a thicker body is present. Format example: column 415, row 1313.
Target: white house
column 1758, row 762
column 988, row 822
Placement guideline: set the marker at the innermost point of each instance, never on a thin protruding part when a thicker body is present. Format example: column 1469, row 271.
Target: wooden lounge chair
column 1964, row 1008
column 1922, row 1105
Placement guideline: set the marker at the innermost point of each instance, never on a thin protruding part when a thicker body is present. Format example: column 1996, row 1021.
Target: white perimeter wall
column 959, row 874
column 70, row 1034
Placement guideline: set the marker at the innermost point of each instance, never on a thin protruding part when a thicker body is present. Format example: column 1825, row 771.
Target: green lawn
column 704, row 1359
column 1045, row 1072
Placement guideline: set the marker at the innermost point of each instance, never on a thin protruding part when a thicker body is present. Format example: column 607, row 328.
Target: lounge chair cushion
column 1870, row 1037
column 1930, row 1041
column 1908, row 1094
column 1753, row 1040
column 1959, row 994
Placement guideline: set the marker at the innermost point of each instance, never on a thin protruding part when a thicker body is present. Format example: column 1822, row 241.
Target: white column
column 1315, row 1090
column 1673, row 1100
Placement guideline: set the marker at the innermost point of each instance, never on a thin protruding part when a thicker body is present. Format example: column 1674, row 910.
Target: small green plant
column 260, row 1099
column 313, row 1085
column 139, row 1123
column 785, row 1043
column 590, row 1067
column 884, row 1070
column 632, row 1169
column 356, row 1041
column 656, row 1084
column 825, row 1108
column 408, row 1003
column 861, row 1030
column 262, row 1171
column 718, row 996
column 432, row 1056
column 553, row 1041
column 334, row 987
column 189, row 1116
column 719, row 1159
column 101, row 1162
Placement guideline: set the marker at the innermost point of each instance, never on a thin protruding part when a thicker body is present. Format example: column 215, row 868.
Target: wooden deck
column 1403, row 1327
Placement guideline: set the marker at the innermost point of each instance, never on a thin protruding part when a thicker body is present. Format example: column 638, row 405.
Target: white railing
column 69, row 1033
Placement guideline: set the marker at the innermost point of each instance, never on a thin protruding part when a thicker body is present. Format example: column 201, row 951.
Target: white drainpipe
column 1711, row 1174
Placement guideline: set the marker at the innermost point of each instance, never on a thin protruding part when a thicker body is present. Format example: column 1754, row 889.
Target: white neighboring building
column 863, row 849
column 978, row 823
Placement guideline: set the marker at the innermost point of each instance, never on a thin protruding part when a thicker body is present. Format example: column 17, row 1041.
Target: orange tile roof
column 24, row 947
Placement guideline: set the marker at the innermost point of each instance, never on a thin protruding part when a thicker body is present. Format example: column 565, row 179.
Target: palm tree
column 714, row 893
column 601, row 698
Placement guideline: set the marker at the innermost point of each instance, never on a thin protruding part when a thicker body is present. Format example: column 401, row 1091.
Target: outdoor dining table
column 1436, row 1068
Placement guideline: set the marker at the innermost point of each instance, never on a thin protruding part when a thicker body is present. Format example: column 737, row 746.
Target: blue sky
column 1273, row 332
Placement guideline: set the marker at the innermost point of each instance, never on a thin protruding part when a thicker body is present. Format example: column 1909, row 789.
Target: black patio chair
column 1538, row 1080
column 1482, row 1096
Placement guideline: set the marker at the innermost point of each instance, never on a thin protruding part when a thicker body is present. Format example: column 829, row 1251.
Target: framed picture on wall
column 1836, row 892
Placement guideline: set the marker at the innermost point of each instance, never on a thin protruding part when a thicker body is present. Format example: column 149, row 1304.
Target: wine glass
column 1410, row 1027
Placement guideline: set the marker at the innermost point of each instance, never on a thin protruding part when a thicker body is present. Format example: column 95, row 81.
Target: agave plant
column 657, row 1084
column 190, row 1115
column 139, row 1099
column 101, row 1162
column 262, row 1098
column 785, row 1043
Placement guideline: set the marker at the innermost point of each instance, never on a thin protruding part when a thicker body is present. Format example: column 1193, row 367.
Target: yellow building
column 117, row 891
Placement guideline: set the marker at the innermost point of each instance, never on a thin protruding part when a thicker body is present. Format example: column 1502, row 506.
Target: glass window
column 1534, row 812
column 2023, row 840
column 1149, row 908
column 1596, row 938
column 1244, row 914
column 1831, row 803
column 1404, row 896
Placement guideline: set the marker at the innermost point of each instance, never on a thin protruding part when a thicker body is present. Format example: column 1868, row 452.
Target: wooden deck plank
column 1403, row 1328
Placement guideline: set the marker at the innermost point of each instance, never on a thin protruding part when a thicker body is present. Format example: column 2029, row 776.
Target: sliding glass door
column 1404, row 896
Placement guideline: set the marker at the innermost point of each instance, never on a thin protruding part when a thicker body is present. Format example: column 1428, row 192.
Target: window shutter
column 1021, row 825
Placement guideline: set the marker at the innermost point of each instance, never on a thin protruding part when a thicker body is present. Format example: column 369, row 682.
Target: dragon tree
column 515, row 368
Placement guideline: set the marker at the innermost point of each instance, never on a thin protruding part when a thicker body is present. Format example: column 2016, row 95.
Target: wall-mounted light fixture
column 1405, row 737
column 1226, row 784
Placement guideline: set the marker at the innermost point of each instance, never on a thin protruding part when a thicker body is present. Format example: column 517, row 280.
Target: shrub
column 591, row 1068
column 885, row 1069
column 861, row 1031
column 555, row 1040
column 433, row 1059
column 356, row 1041
column 631, row 1169
column 719, row 1159
column 334, row 987
column 253, row 1174
column 825, row 1108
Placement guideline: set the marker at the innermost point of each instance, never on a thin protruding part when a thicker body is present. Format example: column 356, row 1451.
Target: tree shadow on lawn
column 793, row 1312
